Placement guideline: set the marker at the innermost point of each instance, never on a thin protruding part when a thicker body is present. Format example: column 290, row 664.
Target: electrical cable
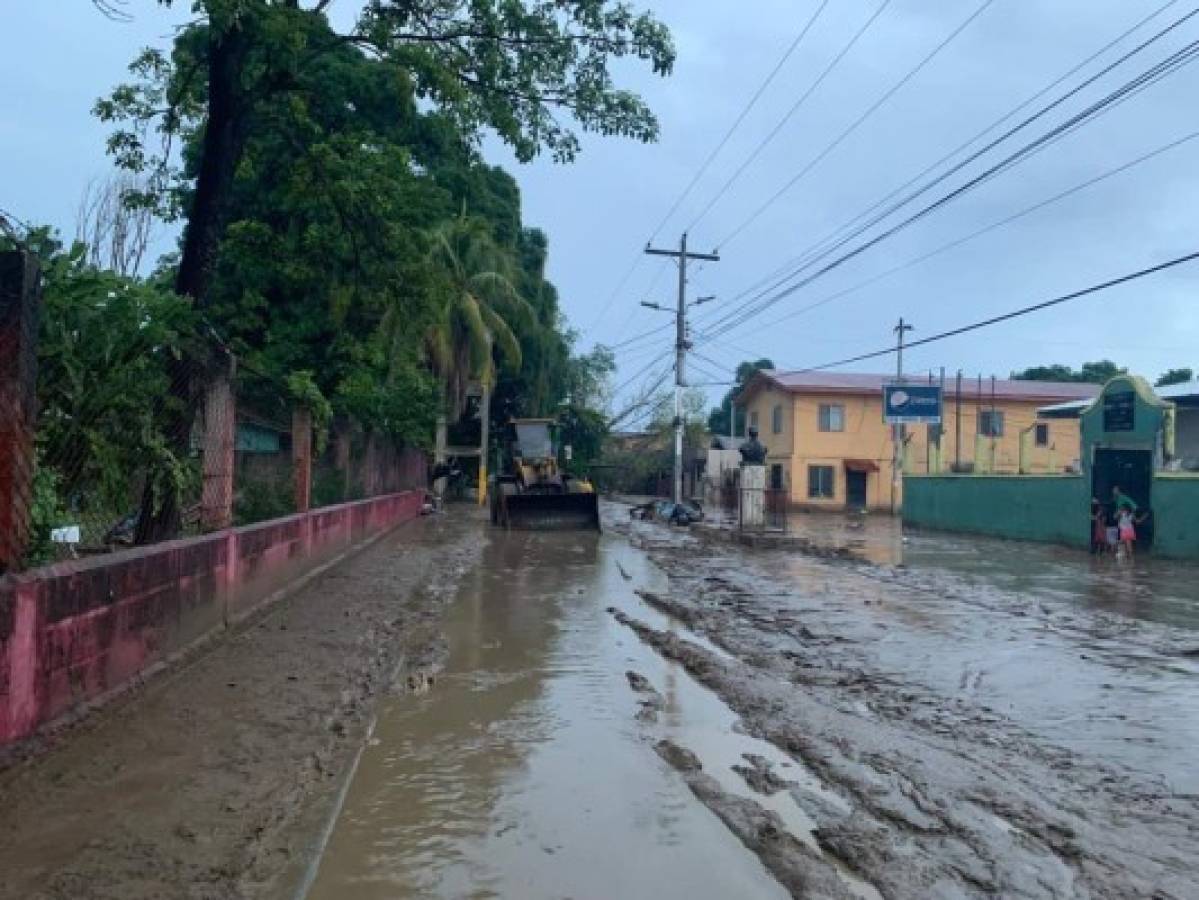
column 1077, row 67
column 1014, row 314
column 1006, row 220
column 857, row 123
column 740, row 118
column 756, row 152
column 745, row 111
column 755, row 306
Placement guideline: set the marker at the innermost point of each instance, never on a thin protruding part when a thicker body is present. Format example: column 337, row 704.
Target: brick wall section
column 74, row 631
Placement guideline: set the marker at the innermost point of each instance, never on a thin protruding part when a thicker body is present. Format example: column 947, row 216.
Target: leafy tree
column 718, row 418
column 252, row 76
column 1174, row 376
column 105, row 347
column 472, row 322
column 1091, row 372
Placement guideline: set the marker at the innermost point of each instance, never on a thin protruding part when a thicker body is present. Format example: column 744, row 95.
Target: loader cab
column 533, row 439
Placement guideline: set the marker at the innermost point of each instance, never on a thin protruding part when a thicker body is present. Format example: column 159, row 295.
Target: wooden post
column 20, row 297
column 301, row 457
column 220, row 441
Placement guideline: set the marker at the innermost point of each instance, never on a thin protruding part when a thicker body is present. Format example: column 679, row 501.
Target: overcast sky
column 56, row 57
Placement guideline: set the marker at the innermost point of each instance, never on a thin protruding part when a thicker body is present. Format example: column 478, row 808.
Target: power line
column 1006, row 220
column 712, row 156
column 1014, row 314
column 755, row 306
column 741, row 117
column 967, row 143
column 857, row 123
column 848, row 231
column 637, row 337
column 724, row 189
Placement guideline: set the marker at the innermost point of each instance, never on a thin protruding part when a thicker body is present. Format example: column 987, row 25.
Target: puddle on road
column 523, row 772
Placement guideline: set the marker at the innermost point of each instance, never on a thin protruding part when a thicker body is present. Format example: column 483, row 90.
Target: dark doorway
column 1132, row 472
column 855, row 489
column 776, row 477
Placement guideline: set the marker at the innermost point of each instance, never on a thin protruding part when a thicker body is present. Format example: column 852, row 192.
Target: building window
column 820, row 482
column 1042, row 434
column 832, row 417
column 776, row 419
column 990, row 423
column 753, row 420
column 776, row 477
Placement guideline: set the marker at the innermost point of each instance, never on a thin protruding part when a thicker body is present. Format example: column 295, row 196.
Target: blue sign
column 912, row 404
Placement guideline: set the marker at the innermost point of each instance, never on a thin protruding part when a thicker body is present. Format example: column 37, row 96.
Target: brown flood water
column 523, row 772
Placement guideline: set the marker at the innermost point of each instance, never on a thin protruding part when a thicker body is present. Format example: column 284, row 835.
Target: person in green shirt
column 1120, row 501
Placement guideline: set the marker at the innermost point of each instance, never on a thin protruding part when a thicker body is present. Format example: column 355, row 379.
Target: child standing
column 1128, row 531
column 1098, row 527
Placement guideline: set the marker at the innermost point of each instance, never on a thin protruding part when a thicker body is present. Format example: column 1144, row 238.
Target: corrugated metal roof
column 855, row 383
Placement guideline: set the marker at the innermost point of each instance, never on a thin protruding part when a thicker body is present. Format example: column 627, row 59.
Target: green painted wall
column 1176, row 515
column 1049, row 508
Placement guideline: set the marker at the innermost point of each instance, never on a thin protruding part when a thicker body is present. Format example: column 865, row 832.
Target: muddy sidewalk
column 979, row 743
column 215, row 779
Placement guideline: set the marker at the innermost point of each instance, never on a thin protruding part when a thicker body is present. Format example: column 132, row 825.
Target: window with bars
column 1041, row 435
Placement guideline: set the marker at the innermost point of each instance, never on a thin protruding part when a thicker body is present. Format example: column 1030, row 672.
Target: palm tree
column 474, row 320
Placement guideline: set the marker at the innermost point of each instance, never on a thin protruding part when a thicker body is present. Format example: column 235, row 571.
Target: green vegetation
column 718, row 418
column 1174, row 376
column 342, row 236
column 1090, row 373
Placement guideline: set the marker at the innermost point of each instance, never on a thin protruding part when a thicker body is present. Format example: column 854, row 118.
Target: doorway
column 1132, row 472
column 855, row 489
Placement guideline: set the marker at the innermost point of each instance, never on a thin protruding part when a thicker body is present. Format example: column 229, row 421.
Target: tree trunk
column 224, row 140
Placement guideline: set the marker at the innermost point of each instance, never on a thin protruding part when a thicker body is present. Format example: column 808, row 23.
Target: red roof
column 854, row 383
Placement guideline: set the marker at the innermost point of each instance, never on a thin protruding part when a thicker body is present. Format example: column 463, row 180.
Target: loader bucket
column 544, row 512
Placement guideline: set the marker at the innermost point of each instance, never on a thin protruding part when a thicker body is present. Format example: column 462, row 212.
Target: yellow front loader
column 531, row 491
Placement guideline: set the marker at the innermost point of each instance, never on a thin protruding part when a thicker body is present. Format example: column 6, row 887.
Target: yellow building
column 828, row 446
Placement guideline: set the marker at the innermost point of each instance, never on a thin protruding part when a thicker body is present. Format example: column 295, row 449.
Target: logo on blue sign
column 912, row 404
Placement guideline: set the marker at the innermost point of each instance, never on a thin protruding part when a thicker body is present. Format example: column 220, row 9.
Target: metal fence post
column 20, row 298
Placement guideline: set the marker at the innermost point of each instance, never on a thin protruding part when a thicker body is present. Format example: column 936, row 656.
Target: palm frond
column 504, row 338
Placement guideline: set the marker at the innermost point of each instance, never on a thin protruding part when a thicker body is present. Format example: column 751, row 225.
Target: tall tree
column 480, row 304
column 1096, row 372
column 718, row 418
column 1174, row 376
column 512, row 66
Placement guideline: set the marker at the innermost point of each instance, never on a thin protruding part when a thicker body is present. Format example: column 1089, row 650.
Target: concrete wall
column 1186, row 435
column 1049, row 508
column 73, row 631
column 1176, row 515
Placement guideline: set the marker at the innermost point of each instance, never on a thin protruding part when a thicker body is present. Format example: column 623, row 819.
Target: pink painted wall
column 72, row 631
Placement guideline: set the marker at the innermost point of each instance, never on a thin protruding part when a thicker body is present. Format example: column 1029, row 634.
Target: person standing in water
column 1125, row 509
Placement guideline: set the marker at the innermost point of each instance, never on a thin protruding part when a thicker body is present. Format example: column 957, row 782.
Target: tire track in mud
column 941, row 803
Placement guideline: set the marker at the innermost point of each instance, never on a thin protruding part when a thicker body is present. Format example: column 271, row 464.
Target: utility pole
column 680, row 351
column 897, row 431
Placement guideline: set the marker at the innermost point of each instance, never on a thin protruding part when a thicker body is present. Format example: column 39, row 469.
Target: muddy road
column 213, row 780
column 649, row 713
